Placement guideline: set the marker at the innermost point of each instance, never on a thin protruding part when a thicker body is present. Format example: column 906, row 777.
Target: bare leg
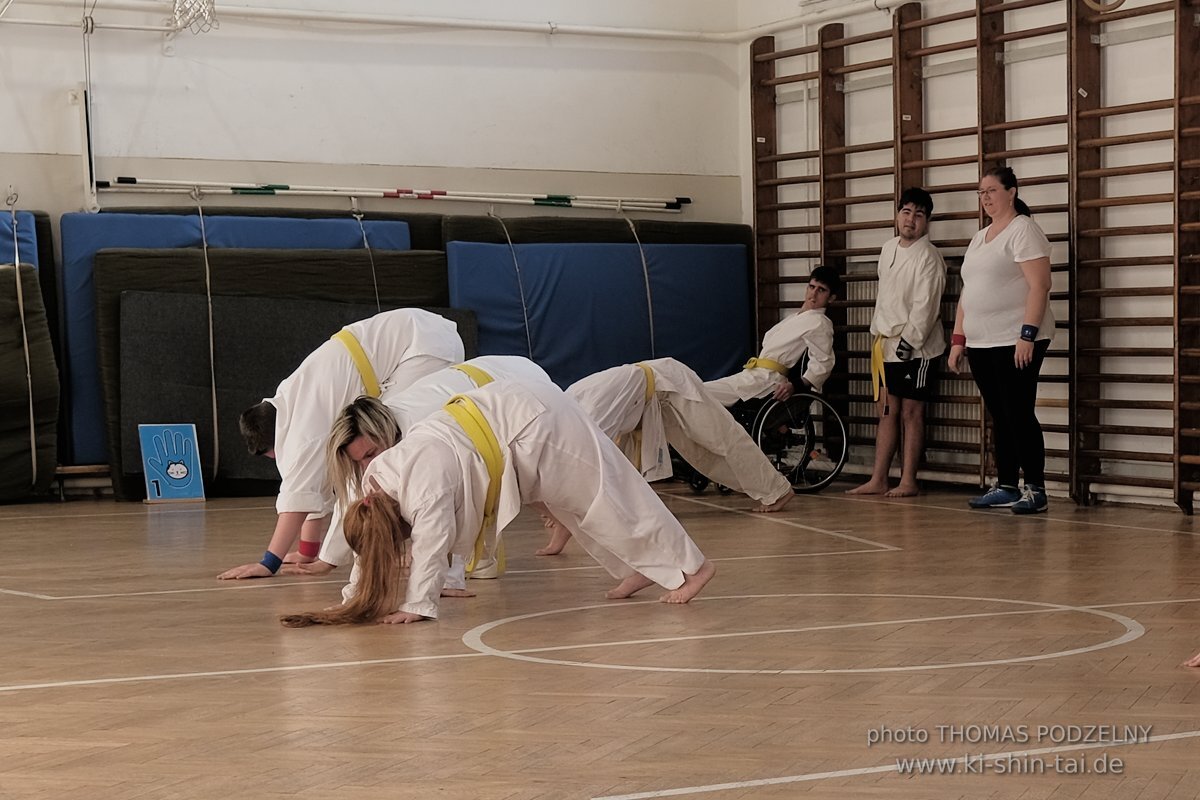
column 692, row 584
column 559, row 536
column 776, row 506
column 629, row 587
column 913, row 415
column 887, row 434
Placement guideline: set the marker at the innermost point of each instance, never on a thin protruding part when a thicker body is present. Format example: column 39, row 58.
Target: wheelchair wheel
column 698, row 482
column 805, row 438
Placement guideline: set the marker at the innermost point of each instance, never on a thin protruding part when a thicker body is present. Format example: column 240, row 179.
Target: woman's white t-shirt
column 994, row 286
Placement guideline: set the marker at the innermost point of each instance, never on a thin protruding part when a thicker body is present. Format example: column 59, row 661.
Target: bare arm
column 287, row 527
column 1037, row 275
column 957, row 350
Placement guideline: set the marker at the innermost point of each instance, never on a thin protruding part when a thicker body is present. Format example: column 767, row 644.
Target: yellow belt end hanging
column 878, row 376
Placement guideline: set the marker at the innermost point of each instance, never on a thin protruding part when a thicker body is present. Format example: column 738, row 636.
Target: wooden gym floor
column 832, row 633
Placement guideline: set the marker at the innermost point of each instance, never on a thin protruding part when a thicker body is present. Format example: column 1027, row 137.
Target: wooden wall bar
column 1094, row 442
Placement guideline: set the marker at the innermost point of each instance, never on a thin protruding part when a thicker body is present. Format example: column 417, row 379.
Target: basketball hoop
column 198, row 16
column 1102, row 8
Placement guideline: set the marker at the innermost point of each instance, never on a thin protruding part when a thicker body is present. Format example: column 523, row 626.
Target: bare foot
column 629, row 587
column 870, row 487
column 904, row 490
column 1194, row 661
column 559, row 536
column 457, row 593
column 776, row 506
column 692, row 584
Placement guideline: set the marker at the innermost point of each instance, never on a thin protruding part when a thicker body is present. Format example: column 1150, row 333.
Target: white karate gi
column 402, row 346
column 413, row 404
column 553, row 454
column 909, row 301
column 681, row 414
column 786, row 343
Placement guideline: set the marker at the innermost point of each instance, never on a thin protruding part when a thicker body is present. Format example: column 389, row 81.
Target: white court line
column 265, row 584
column 776, row 519
column 145, row 513
column 519, row 653
column 893, row 767
column 1013, row 517
column 243, row 587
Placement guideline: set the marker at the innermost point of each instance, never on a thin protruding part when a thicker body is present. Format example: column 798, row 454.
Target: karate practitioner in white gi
column 359, row 434
column 430, row 493
column 784, row 345
column 384, row 353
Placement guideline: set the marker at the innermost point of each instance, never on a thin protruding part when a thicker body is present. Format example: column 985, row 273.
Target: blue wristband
column 271, row 562
column 1029, row 333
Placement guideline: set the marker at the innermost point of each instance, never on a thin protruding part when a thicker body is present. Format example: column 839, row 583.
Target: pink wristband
column 309, row 549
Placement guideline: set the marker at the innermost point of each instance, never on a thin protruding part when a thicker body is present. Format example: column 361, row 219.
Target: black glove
column 904, row 350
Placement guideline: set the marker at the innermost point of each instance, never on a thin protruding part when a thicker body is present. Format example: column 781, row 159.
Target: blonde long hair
column 367, row 417
column 377, row 532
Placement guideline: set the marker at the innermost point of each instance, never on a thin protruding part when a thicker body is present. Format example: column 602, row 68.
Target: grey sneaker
column 1033, row 500
column 996, row 497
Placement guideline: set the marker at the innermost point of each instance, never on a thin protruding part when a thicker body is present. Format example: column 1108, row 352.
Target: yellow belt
column 649, row 380
column 767, row 363
column 359, row 357
column 475, row 425
column 473, row 372
column 878, row 376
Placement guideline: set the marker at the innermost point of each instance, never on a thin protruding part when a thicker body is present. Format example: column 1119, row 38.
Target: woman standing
column 1004, row 326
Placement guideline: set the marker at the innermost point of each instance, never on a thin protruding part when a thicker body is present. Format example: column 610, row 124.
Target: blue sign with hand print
column 171, row 463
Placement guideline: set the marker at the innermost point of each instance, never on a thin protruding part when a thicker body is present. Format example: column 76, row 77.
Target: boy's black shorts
column 913, row 380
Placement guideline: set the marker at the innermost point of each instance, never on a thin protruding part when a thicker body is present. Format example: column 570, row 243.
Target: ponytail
column 1022, row 207
column 376, row 531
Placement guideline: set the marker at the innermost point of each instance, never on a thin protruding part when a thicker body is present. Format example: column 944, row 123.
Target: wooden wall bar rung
column 1126, row 322
column 1135, row 169
column 776, row 55
column 917, row 24
column 1129, row 377
column 1127, row 108
column 1123, row 455
column 862, row 66
column 861, row 199
column 951, row 161
column 1141, row 11
column 858, row 173
column 798, row 179
column 792, row 230
column 1127, row 430
column 952, row 133
column 1126, row 200
column 1013, row 5
column 875, row 36
column 1024, row 152
column 866, row 225
column 1129, row 138
column 1030, row 33
column 864, row 148
column 1019, row 124
column 1128, row 261
column 1129, row 352
column 950, row 47
column 788, row 254
column 1129, row 480
column 1129, row 230
column 786, row 79
column 799, row 205
column 1044, row 180
column 1130, row 405
column 947, row 188
column 1131, row 291
column 851, row 252
column 778, row 157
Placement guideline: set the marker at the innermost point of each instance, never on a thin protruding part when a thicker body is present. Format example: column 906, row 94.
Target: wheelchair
column 804, row 437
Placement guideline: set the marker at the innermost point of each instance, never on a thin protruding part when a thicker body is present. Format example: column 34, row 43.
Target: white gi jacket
column 909, row 301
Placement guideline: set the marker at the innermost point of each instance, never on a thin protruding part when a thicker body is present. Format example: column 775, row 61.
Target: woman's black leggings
column 1011, row 397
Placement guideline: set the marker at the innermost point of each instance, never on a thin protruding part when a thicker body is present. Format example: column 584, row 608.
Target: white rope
column 520, row 285
column 358, row 215
column 646, row 277
column 212, row 347
column 11, row 201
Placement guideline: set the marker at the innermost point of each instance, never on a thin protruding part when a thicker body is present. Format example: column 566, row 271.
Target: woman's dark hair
column 257, row 425
column 1008, row 179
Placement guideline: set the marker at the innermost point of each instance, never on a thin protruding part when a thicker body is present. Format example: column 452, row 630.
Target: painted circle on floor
column 1132, row 630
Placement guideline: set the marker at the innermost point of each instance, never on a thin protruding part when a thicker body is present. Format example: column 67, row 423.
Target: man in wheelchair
column 808, row 331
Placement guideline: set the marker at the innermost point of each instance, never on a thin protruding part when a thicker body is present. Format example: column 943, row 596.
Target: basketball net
column 198, row 16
